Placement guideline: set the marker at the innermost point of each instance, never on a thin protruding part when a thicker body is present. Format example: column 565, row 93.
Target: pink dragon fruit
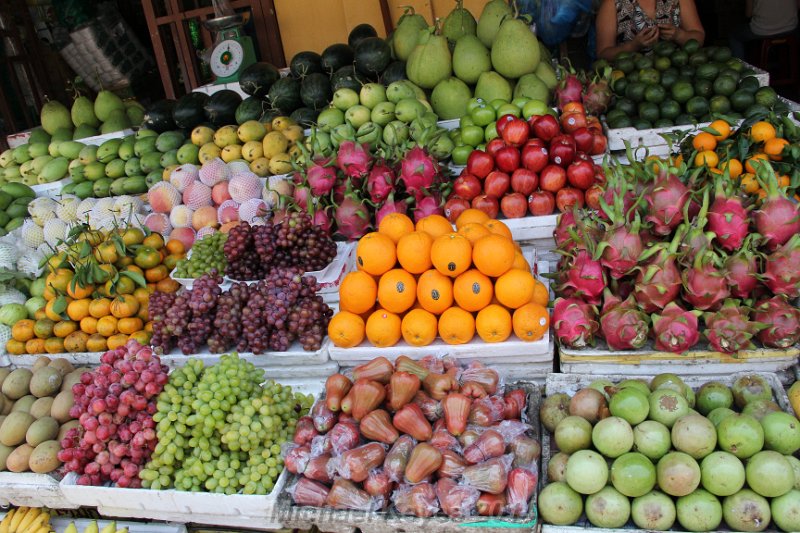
column 666, row 198
column 569, row 89
column 322, row 219
column 706, row 284
column 659, row 281
column 562, row 236
column 782, row 269
column 418, row 171
column 730, row 329
column 390, row 206
column 321, row 179
column 694, row 238
column 675, row 329
column 778, row 220
column 353, row 159
column 727, row 219
column 624, row 326
column 621, row 247
column 742, row 269
column 782, row 321
column 619, row 196
column 582, row 276
column 352, row 219
column 597, row 96
column 429, row 205
column 380, row 183
column 574, row 322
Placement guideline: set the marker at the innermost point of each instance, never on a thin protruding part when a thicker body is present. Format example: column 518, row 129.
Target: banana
column 91, row 528
column 123, row 530
column 47, row 528
column 18, row 517
column 111, row 527
column 29, row 519
column 42, row 520
column 7, row 521
column 71, row 528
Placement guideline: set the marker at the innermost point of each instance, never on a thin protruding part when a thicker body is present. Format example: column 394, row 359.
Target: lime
column 669, row 77
column 620, row 122
column 633, row 76
column 697, row 106
column 720, row 104
column 619, row 85
column 704, row 88
column 662, row 63
column 663, row 123
column 722, row 54
column 624, row 64
column 670, row 109
column 649, row 111
column 616, row 114
column 650, row 75
column 735, row 64
column 741, row 100
column 757, row 111
column 749, row 83
column 725, row 86
column 683, row 119
column 635, row 91
column 655, row 94
column 679, row 58
column 682, row 91
column 691, row 46
column 644, row 62
column 707, row 71
column 697, row 59
column 766, row 96
column 626, row 106
column 727, row 71
column 664, row 48
column 687, row 71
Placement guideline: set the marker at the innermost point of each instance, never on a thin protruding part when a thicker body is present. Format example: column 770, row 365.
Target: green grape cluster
column 220, row 430
column 207, row 254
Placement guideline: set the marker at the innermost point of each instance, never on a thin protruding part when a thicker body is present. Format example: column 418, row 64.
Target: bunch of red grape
column 114, row 405
column 252, row 252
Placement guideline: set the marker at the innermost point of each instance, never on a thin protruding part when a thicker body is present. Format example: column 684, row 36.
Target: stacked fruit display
column 670, row 463
column 96, row 292
column 37, row 406
column 660, row 259
column 460, row 274
column 420, row 436
column 532, row 166
column 26, row 520
column 684, row 85
column 220, row 429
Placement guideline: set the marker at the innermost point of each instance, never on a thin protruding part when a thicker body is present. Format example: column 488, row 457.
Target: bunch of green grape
column 207, row 254
column 219, row 430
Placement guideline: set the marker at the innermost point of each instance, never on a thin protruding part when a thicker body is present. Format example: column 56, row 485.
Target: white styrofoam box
column 51, row 190
column 18, row 139
column 77, row 359
column 651, row 137
column 32, row 490
column 294, row 356
column 5, row 360
column 761, row 75
column 532, row 228
column 451, row 124
column 97, row 140
column 60, row 523
column 212, row 88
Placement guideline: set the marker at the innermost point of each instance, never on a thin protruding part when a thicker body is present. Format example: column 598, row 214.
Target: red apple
column 593, row 195
column 599, row 145
column 494, row 145
column 583, row 139
column 552, row 178
column 454, row 207
column 496, row 184
column 467, row 186
column 562, row 150
column 545, row 127
column 514, row 205
column 568, row 197
column 580, row 174
column 516, row 132
column 507, row 159
column 502, row 122
column 541, row 203
column 487, row 204
column 572, row 121
column 534, row 158
column 479, row 163
column 524, row 181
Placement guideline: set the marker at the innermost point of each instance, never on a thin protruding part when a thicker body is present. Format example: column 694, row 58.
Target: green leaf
column 135, row 276
column 85, row 251
column 60, row 304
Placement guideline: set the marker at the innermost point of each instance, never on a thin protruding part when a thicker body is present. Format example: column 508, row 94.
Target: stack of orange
column 88, row 317
column 427, row 281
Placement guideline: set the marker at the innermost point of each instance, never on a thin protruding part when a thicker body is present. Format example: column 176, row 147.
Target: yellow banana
column 111, row 527
column 91, row 528
column 44, row 529
column 30, row 517
column 71, row 528
column 7, row 521
column 123, row 530
column 42, row 520
column 18, row 517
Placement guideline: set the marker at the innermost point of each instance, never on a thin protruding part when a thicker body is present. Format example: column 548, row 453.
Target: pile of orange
column 95, row 317
column 426, row 281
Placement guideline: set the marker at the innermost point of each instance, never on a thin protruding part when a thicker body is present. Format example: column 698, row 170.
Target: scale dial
column 226, row 58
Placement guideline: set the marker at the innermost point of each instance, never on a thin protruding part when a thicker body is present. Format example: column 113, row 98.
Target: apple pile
column 533, row 167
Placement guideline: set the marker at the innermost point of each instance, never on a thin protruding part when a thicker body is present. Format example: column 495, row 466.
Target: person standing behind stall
column 636, row 25
column 768, row 18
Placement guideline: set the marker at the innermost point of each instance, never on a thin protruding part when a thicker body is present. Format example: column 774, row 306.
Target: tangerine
column 130, row 325
column 100, row 307
column 96, row 343
column 755, row 161
column 722, row 128
column 107, row 326
column 89, row 325
column 733, row 166
column 124, row 305
column 774, row 148
column 704, row 141
column 762, row 131
column 708, row 158
column 78, row 309
column 76, row 342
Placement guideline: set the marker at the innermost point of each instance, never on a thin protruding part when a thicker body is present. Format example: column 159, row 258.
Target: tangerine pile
column 97, row 293
column 421, row 282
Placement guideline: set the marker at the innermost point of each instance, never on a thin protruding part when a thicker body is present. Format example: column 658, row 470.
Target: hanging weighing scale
column 232, row 51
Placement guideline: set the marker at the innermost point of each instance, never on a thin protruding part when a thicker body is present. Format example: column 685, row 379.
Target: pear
column 105, row 103
column 515, row 51
column 489, row 23
column 470, row 59
column 83, row 113
column 55, row 116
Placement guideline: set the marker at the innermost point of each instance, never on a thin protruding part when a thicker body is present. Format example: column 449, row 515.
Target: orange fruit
column 531, row 322
column 541, row 295
column 89, row 325
column 784, row 181
column 774, row 147
column 54, row 345
column 75, row 290
column 50, row 312
column 143, row 312
column 130, row 325
column 358, row 292
column 154, row 240
column 39, row 314
column 520, row 262
column 495, row 226
column 15, row 347
column 375, row 253
column 124, row 305
column 168, row 285
column 755, row 161
column 116, row 341
column 493, row 255
column 471, row 215
column 722, row 128
column 142, row 294
column 451, row 254
column 435, row 225
column 395, row 225
column 493, row 323
column 106, row 253
column 472, row 290
column 418, row 327
column 749, row 183
column 456, row 326
column 100, row 307
column 22, row 330
column 733, row 166
column 383, row 328
column 174, row 246
column 131, row 236
column 762, row 131
column 473, row 231
column 142, row 337
column 59, row 279
column 107, row 326
column 434, row 291
column 397, row 291
column 346, row 329
column 515, row 288
column 64, row 328
column 108, row 272
column 96, row 343
column 704, row 141
column 414, row 251
column 78, row 309
column 155, row 274
column 76, row 342
column 35, row 346
column 708, row 158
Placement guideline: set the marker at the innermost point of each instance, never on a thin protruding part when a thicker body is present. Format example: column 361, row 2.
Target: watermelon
column 304, row 116
column 159, row 116
column 305, row 63
column 285, row 95
column 345, row 77
column 221, row 107
column 372, row 56
column 359, row 33
column 336, row 56
column 251, row 108
column 256, row 79
column 189, row 110
column 315, row 91
column 396, row 71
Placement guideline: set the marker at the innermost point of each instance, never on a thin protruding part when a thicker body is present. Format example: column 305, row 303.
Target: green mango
column 102, row 188
column 54, row 170
column 38, row 135
column 105, row 103
column 135, row 185
column 82, row 113
column 115, row 169
column 169, row 140
column 55, row 116
column 84, row 190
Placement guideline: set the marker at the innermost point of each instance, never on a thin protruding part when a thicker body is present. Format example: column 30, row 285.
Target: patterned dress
column 631, row 19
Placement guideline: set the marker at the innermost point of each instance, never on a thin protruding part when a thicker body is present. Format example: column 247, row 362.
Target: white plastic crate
column 294, row 356
column 97, row 140
column 51, row 190
column 77, row 359
column 32, row 490
column 60, row 523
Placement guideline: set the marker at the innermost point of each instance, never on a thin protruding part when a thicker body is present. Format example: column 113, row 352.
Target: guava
column 722, row 473
column 695, row 435
column 678, row 474
column 667, row 379
column 652, row 439
column 572, row 434
column 795, row 462
column 637, row 384
column 667, row 406
column 786, row 511
column 699, row 511
column 633, row 474
column 712, row 395
column 590, row 404
column 631, row 404
column 557, row 467
column 781, row 432
column 607, row 508
column 673, row 382
column 741, row 435
column 750, row 387
column 554, row 409
column 760, row 408
column 654, row 511
column 769, row 474
column 587, row 471
column 746, row 511
column 612, row 436
column 719, row 414
column 560, row 505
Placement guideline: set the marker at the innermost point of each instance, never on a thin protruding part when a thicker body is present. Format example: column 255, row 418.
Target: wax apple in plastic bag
column 442, row 439
column 521, row 486
column 473, row 390
column 477, row 372
column 457, row 501
column 344, row 436
column 379, row 369
column 418, row 500
column 396, row 460
column 296, row 458
column 489, row 476
column 304, row 431
column 424, row 461
column 525, row 450
column 324, row 419
column 487, row 411
column 452, row 466
column 469, row 437
column 490, row 444
column 377, row 425
column 355, row 464
column 438, row 385
column 456, row 408
column 402, row 388
column 336, row 388
column 367, row 396
column 491, row 504
column 309, row 492
column 431, row 408
column 321, row 445
column 406, row 364
column 411, row 420
column 344, row 494
column 378, row 484
column 515, row 402
column 317, row 469
column 433, row 364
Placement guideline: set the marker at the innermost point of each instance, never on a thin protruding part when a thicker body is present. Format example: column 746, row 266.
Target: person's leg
column 739, row 38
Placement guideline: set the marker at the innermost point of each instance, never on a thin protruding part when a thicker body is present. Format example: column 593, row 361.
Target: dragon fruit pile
column 658, row 263
column 425, row 437
column 353, row 190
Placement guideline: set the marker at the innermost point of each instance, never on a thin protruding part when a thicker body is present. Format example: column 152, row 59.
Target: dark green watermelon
column 251, row 108
column 256, row 79
column 360, row 32
column 268, row 115
column 336, row 56
column 346, row 77
column 305, row 63
column 372, row 56
column 159, row 116
column 396, row 71
column 315, row 91
column 221, row 107
column 305, row 116
column 285, row 95
column 189, row 110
